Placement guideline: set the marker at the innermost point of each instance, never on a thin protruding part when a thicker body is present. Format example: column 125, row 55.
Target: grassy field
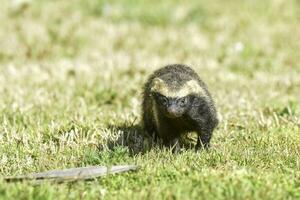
column 71, row 74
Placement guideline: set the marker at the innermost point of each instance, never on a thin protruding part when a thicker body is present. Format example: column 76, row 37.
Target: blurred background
column 130, row 32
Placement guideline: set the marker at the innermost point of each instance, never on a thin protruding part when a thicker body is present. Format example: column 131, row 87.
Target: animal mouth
column 173, row 115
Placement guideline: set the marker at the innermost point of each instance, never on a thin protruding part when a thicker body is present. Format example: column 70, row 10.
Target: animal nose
column 173, row 112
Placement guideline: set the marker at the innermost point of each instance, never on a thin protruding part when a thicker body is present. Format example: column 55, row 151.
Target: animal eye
column 182, row 101
column 164, row 100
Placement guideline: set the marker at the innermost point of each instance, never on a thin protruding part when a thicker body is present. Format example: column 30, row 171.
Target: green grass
column 71, row 74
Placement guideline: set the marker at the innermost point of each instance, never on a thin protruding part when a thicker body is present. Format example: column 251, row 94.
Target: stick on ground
column 73, row 174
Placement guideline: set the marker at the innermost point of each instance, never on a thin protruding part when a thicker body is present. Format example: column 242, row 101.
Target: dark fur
column 199, row 114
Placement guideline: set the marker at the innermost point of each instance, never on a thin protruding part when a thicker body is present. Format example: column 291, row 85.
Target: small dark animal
column 176, row 101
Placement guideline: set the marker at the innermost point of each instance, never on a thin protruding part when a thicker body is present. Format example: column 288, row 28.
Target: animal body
column 176, row 101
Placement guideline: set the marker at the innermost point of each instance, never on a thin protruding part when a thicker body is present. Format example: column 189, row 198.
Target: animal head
column 175, row 100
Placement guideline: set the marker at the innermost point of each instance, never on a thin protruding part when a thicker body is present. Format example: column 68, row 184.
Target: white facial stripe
column 189, row 87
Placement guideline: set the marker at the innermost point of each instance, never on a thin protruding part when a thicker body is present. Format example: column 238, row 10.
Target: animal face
column 172, row 107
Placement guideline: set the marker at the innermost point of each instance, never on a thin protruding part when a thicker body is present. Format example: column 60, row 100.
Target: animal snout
column 173, row 112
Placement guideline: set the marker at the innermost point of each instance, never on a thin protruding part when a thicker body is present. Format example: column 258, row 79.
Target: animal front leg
column 203, row 140
column 174, row 145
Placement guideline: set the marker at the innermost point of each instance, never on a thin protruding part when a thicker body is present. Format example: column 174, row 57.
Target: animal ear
column 157, row 84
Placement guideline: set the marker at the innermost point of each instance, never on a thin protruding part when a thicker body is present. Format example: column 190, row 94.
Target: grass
column 71, row 74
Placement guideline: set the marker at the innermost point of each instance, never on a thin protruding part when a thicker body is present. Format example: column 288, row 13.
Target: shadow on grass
column 130, row 136
column 135, row 139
